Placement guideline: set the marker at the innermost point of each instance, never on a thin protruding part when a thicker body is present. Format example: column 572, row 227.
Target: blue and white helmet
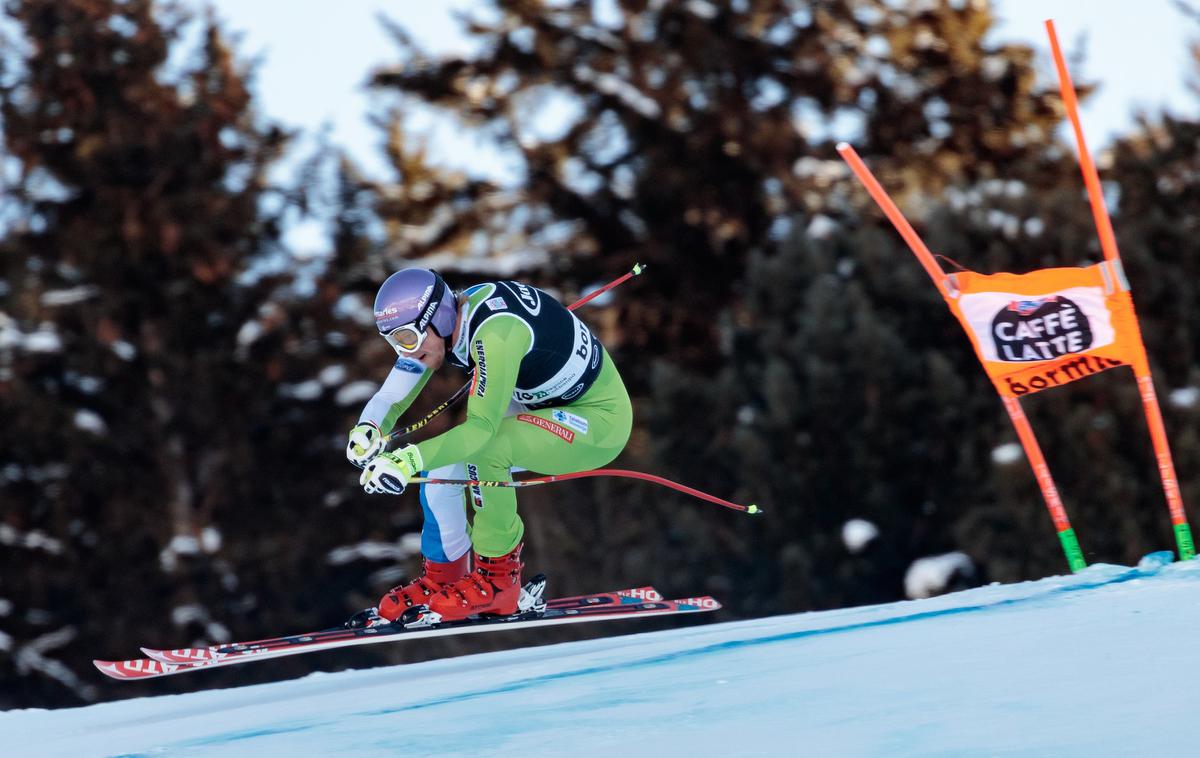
column 410, row 301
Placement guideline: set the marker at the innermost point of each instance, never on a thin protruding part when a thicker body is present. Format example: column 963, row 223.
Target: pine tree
column 137, row 207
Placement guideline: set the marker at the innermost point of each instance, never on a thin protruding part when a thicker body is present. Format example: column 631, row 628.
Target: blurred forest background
column 176, row 385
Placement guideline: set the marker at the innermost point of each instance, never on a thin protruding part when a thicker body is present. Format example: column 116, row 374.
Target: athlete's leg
column 584, row 435
column 445, row 546
column 444, row 535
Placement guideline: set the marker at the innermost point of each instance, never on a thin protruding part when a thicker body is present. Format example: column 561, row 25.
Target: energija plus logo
column 480, row 388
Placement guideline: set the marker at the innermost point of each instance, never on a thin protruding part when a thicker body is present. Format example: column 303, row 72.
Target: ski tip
column 162, row 656
column 109, row 668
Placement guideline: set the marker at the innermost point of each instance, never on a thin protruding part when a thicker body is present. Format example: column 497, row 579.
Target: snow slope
column 1099, row 663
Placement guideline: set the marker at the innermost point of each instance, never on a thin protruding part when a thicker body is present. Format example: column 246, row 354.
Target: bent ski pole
column 637, row 269
column 624, row 473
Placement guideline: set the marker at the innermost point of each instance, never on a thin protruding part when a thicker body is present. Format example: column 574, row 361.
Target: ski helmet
column 410, row 301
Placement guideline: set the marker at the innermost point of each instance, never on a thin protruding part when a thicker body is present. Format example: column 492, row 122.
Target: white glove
column 390, row 473
column 365, row 443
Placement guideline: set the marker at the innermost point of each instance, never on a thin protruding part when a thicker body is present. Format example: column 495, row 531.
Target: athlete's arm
column 497, row 348
column 406, row 380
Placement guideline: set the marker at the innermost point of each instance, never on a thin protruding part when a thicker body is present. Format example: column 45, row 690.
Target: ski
column 584, row 608
column 147, row 668
column 203, row 654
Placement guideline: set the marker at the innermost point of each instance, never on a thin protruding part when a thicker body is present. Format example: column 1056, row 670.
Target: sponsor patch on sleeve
column 545, row 423
column 496, row 304
column 578, row 423
column 410, row 366
column 480, row 388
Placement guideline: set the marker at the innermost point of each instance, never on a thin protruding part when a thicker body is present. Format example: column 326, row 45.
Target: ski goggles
column 406, row 338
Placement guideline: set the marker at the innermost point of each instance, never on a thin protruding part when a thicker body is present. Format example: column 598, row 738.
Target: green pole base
column 1070, row 546
column 1183, row 538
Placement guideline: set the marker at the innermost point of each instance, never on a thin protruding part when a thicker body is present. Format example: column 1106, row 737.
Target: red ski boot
column 493, row 588
column 434, row 577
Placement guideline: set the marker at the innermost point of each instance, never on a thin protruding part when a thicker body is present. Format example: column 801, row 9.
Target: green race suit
column 545, row 397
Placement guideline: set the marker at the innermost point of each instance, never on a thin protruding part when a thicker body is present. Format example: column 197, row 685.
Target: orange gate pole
column 1108, row 243
column 1033, row 451
column 1054, row 504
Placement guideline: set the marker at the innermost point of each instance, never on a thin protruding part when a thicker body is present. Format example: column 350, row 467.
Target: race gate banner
column 1050, row 327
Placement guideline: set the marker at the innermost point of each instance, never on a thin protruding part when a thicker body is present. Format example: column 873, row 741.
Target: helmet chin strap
column 444, row 291
column 459, row 325
column 458, row 318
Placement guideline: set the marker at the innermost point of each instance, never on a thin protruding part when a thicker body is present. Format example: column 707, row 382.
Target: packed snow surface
column 1099, row 663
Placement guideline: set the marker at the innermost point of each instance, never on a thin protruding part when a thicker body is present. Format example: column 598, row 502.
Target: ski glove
column 390, row 473
column 365, row 443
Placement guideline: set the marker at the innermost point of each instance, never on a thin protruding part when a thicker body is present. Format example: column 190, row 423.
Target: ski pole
column 637, row 269
column 752, row 509
column 458, row 395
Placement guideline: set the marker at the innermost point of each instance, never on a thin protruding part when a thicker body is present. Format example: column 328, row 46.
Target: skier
column 545, row 397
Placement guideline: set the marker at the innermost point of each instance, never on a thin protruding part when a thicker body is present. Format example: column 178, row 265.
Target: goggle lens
column 405, row 338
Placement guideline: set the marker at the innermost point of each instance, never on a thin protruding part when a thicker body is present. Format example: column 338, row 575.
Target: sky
column 1136, row 51
column 1094, row 663
column 314, row 62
